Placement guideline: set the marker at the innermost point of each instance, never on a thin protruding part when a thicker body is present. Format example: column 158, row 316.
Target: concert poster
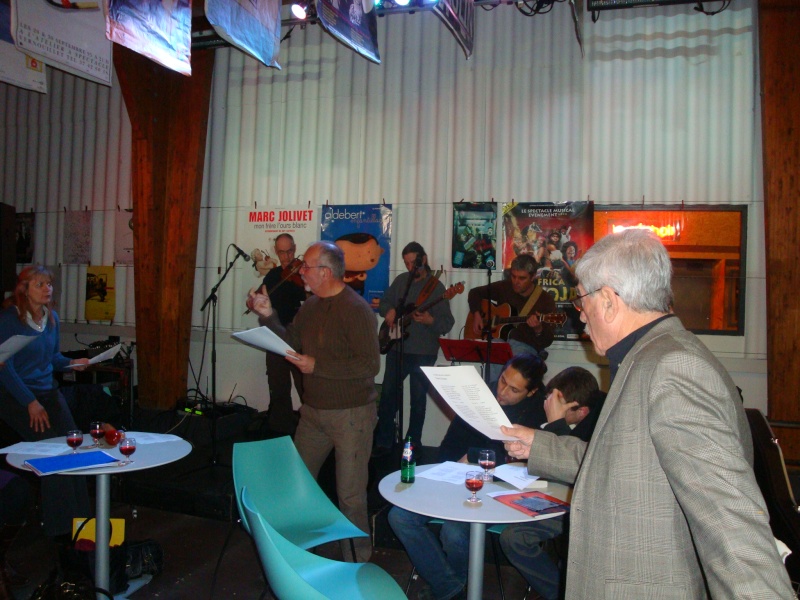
column 474, row 235
column 252, row 26
column 364, row 233
column 101, row 299
column 556, row 235
column 17, row 68
column 354, row 23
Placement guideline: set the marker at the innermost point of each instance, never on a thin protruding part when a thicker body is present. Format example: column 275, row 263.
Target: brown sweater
column 341, row 333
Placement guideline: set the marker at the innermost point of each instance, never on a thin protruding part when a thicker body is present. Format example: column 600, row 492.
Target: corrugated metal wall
column 661, row 110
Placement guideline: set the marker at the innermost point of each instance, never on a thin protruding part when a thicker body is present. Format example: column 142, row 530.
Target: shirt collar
column 617, row 353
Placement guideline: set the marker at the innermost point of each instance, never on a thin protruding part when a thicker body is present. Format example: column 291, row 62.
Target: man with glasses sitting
column 335, row 335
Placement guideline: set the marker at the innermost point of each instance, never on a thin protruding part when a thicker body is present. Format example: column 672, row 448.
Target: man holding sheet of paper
column 443, row 562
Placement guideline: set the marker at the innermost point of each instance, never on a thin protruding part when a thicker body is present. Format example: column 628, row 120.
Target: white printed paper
column 518, row 476
column 107, row 355
column 448, row 471
column 13, row 345
column 264, row 338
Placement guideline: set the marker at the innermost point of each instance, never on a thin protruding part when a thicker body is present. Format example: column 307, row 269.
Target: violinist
column 287, row 292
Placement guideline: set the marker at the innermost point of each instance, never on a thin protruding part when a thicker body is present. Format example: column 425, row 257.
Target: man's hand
column 425, row 318
column 81, row 363
column 259, row 302
column 304, row 362
column 390, row 317
column 521, row 448
column 556, row 406
column 534, row 323
column 477, row 323
column 40, row 421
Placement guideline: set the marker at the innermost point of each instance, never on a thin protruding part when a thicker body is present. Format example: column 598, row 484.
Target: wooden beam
column 169, row 118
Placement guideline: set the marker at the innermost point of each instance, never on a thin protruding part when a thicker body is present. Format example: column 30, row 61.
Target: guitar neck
column 406, row 319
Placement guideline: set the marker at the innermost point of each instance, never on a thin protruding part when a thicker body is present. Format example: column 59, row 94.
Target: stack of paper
column 70, row 462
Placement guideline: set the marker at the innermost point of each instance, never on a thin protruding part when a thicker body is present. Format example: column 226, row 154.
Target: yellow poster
column 101, row 299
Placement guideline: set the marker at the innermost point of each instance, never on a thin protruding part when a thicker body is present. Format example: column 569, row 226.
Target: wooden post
column 169, row 117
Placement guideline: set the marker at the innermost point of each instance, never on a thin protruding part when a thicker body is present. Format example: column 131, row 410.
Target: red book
column 534, row 504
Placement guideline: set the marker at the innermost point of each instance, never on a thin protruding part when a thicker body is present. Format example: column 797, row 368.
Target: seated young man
column 443, row 562
column 572, row 406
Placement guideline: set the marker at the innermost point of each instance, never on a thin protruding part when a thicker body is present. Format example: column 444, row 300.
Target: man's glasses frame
column 577, row 301
column 305, row 266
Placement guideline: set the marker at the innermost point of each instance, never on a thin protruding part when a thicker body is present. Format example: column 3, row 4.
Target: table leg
column 103, row 532
column 477, row 544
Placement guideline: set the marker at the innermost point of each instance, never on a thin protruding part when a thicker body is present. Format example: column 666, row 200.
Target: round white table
column 448, row 501
column 147, row 456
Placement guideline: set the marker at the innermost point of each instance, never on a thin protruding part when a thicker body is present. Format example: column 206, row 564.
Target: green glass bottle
column 408, row 463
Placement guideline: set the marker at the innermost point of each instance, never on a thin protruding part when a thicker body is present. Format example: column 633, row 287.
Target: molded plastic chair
column 296, row 574
column 282, row 489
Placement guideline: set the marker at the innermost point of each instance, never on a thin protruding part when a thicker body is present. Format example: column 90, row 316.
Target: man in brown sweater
column 335, row 337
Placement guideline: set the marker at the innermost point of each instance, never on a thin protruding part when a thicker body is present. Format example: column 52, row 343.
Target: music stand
column 476, row 351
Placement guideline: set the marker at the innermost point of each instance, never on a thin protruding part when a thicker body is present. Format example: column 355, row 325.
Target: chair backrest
column 770, row 471
column 278, row 556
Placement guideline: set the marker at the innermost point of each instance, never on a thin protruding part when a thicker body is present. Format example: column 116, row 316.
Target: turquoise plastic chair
column 296, row 574
column 282, row 489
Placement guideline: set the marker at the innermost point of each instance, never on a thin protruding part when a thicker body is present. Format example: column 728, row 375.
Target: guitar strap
column 531, row 302
column 428, row 288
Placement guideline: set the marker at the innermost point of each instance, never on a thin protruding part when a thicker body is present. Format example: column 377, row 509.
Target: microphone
column 490, row 264
column 241, row 253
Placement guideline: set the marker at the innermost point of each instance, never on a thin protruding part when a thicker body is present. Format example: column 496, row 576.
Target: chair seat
column 352, row 581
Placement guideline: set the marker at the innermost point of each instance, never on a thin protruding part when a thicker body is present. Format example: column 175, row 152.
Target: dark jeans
column 385, row 432
column 63, row 496
column 282, row 418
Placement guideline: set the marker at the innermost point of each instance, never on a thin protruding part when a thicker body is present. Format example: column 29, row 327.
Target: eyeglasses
column 306, row 266
column 577, row 301
column 285, row 252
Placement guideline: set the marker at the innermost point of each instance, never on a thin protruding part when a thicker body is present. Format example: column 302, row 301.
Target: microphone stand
column 212, row 299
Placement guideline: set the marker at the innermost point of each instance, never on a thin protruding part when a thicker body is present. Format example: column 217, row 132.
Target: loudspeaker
column 8, row 247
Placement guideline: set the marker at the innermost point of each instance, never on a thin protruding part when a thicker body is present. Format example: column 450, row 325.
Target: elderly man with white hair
column 665, row 503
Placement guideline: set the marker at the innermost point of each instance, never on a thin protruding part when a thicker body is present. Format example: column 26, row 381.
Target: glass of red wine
column 474, row 481
column 487, row 461
column 127, row 447
column 74, row 439
column 97, row 433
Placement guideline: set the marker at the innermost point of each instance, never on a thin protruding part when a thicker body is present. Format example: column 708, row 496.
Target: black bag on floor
column 78, row 563
column 144, row 558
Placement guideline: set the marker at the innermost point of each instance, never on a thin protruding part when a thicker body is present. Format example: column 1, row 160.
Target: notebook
column 62, row 463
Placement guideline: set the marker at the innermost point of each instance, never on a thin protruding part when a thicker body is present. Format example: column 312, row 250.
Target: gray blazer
column 665, row 495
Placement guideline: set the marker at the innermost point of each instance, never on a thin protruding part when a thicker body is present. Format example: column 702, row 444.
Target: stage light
column 300, row 10
column 402, row 2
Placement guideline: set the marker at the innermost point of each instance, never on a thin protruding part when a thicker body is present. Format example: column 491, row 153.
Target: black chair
column 772, row 478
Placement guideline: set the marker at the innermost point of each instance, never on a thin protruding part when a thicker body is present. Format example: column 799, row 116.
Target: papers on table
column 143, row 437
column 265, row 339
column 467, row 394
column 517, row 475
column 13, row 345
column 107, row 355
column 47, row 465
column 38, row 448
column 449, row 471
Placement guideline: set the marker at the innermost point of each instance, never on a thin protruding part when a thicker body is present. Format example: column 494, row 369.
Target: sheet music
column 264, row 338
column 13, row 345
column 107, row 355
column 467, row 394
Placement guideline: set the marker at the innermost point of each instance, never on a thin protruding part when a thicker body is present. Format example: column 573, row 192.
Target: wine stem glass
column 487, row 460
column 127, row 447
column 474, row 481
column 74, row 439
column 96, row 431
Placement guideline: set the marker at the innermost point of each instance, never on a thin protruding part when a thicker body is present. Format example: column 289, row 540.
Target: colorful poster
column 352, row 22
column 253, row 26
column 17, row 68
column 66, row 35
column 474, row 235
column 26, row 223
column 123, row 237
column 364, row 233
column 161, row 30
column 77, row 237
column 556, row 235
column 101, row 300
column 459, row 17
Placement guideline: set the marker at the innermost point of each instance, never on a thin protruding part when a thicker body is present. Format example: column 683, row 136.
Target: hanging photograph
column 556, row 235
column 364, row 233
column 474, row 235
column 77, row 237
column 123, row 237
column 25, row 231
column 101, row 299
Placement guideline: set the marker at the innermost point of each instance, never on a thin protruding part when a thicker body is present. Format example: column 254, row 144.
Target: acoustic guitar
column 502, row 320
column 387, row 337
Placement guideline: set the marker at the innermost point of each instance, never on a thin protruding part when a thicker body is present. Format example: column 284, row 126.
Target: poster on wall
column 66, row 35
column 556, row 235
column 253, row 26
column 256, row 232
column 17, row 68
column 161, row 31
column 474, row 235
column 364, row 233
column 25, row 236
column 123, row 237
column 77, row 237
column 352, row 22
column 101, row 300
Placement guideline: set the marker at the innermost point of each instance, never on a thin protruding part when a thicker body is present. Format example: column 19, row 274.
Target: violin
column 290, row 273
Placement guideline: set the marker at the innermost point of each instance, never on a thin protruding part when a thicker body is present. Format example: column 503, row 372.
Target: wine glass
column 474, row 481
column 96, row 431
column 487, row 461
column 127, row 447
column 74, row 439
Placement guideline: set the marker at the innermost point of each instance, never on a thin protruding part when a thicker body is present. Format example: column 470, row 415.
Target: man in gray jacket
column 665, row 502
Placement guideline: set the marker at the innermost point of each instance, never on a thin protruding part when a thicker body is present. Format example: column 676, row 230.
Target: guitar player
column 418, row 350
column 522, row 294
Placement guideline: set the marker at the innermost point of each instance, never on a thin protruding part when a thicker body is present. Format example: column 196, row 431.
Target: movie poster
column 364, row 233
column 101, row 300
column 556, row 235
column 474, row 235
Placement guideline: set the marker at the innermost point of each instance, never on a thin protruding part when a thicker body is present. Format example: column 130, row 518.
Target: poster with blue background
column 364, row 233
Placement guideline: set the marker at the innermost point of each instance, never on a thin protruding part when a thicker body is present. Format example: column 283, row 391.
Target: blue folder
column 47, row 465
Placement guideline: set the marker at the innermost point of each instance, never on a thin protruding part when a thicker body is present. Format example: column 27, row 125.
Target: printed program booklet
column 534, row 504
column 70, row 462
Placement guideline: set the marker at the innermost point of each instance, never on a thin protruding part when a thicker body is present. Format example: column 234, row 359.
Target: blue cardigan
column 30, row 370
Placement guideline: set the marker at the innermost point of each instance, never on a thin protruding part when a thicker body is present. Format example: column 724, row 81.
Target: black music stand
column 476, row 351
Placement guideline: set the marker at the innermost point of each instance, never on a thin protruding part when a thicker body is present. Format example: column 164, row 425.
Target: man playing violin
column 287, row 292
column 517, row 290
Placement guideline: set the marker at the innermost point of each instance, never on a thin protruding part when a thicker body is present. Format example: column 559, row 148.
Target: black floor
column 189, row 508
